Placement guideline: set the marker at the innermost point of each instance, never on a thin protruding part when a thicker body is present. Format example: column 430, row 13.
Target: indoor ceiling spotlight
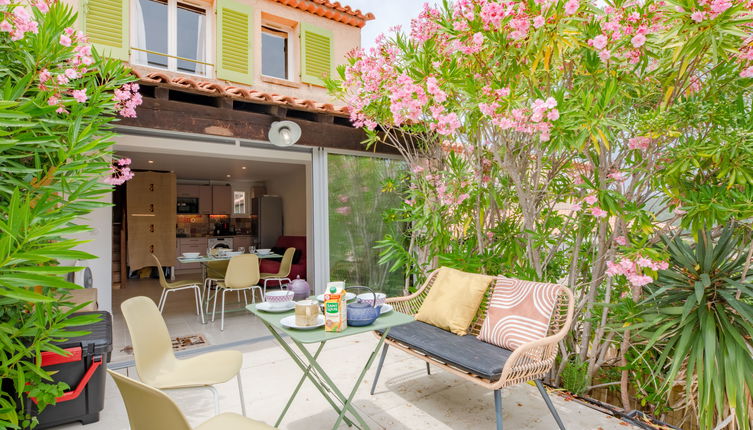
column 284, row 133
column 150, row 161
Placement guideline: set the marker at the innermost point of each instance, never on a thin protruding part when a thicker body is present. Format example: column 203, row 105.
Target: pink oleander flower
column 52, row 101
column 343, row 210
column 599, row 42
column 605, row 55
column 65, row 40
column 617, row 176
column 698, row 16
column 640, row 142
column 553, row 115
column 5, row 26
column 571, row 6
column 71, row 74
column 747, row 72
column 638, row 40
column 621, row 240
column 44, row 76
column 62, row 79
column 598, row 212
column 576, row 207
column 4, row 2
column 539, row 22
column 591, row 199
column 639, row 280
column 80, row 95
column 61, row 110
column 42, row 6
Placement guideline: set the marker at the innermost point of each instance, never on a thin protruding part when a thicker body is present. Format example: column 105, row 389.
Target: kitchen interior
column 180, row 203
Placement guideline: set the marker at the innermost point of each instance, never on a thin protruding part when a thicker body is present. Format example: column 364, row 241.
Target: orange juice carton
column 335, row 307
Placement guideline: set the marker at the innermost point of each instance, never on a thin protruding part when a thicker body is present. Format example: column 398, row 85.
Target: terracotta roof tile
column 212, row 87
column 331, row 10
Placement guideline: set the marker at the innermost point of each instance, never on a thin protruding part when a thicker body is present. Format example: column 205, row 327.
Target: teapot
column 361, row 314
column 300, row 288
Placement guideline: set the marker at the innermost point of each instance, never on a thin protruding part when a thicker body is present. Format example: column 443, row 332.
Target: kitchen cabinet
column 192, row 244
column 187, row 190
column 151, row 218
column 222, row 200
column 205, row 199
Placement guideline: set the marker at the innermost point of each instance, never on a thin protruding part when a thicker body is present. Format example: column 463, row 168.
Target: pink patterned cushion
column 519, row 312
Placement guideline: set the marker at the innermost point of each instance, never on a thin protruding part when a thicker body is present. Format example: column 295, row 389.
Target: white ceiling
column 208, row 168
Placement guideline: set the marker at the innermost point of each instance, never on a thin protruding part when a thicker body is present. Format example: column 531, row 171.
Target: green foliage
column 52, row 167
column 698, row 319
column 575, row 377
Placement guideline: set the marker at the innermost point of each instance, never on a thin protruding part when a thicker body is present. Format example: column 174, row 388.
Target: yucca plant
column 698, row 321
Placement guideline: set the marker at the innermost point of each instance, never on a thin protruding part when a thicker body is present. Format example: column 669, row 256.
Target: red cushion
column 297, row 242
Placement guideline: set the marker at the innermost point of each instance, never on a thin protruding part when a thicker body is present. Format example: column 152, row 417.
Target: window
column 171, row 35
column 274, row 56
column 239, row 202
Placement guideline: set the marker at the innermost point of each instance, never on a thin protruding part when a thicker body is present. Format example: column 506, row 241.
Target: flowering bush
column 558, row 140
column 58, row 97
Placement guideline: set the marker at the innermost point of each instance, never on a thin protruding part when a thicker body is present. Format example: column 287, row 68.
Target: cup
column 278, row 299
column 252, row 249
column 241, row 249
column 306, row 313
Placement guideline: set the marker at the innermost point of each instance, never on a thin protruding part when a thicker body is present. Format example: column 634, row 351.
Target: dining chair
column 215, row 273
column 151, row 409
column 242, row 275
column 156, row 363
column 169, row 287
column 284, row 271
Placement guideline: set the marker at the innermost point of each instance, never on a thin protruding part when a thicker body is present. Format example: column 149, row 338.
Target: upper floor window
column 274, row 55
column 170, row 34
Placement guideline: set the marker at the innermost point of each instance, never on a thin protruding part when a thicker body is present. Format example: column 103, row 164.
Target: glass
column 241, row 249
column 191, row 38
column 209, row 251
column 358, row 200
column 151, row 32
column 274, row 53
column 252, row 249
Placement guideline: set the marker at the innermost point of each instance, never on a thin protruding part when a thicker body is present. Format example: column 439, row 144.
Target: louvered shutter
column 317, row 53
column 106, row 22
column 234, row 36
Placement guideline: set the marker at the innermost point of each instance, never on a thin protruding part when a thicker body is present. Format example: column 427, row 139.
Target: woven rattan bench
column 485, row 364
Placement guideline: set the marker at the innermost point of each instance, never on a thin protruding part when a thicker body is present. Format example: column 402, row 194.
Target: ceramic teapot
column 300, row 288
column 361, row 314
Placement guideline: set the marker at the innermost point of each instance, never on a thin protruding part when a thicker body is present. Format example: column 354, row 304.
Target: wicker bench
column 485, row 364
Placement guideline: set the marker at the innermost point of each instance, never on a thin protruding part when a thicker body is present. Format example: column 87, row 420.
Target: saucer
column 267, row 307
column 289, row 322
column 385, row 309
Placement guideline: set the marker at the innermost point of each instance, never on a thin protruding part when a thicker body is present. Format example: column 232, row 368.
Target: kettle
column 361, row 314
column 300, row 288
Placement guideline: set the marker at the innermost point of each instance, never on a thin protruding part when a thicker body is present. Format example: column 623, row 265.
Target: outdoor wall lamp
column 284, row 133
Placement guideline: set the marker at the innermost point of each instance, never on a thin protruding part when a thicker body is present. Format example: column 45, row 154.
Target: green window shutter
column 106, row 22
column 234, row 36
column 317, row 53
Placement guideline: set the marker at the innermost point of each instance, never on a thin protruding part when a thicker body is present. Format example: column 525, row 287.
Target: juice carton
column 335, row 308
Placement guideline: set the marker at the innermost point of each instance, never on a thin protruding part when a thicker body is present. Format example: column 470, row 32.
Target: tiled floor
column 406, row 397
column 180, row 316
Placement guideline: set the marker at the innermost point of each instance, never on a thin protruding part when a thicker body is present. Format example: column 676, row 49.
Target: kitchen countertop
column 208, row 236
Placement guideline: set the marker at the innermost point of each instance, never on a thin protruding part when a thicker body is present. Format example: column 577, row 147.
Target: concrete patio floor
column 406, row 397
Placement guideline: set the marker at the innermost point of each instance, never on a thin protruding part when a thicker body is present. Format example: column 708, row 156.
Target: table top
column 388, row 320
column 204, row 258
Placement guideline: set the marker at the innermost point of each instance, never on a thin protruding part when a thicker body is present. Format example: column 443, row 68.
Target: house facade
column 216, row 76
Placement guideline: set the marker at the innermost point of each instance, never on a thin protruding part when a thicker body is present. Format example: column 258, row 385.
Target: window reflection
column 274, row 60
column 191, row 38
column 151, row 32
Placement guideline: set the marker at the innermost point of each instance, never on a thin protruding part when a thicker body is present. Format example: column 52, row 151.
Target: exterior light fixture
column 284, row 133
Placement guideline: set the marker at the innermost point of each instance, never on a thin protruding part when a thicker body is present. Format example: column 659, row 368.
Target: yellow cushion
column 453, row 300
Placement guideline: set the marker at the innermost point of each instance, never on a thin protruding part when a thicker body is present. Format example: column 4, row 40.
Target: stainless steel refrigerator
column 268, row 212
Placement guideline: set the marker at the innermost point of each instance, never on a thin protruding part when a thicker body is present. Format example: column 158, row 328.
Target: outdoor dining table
column 314, row 371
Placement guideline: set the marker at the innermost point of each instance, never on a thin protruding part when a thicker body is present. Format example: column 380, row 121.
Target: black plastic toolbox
column 84, row 372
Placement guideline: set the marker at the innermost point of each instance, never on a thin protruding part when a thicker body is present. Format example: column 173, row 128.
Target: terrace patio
column 405, row 398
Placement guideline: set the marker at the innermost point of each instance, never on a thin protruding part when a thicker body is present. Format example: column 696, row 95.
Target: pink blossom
column 4, row 2
column 71, row 73
column 62, row 79
column 599, row 42
column 42, row 6
column 61, row 110
column 639, row 142
column 417, row 169
column 343, row 210
column 44, row 76
column 598, row 212
column 698, row 16
column 747, row 72
column 5, row 26
column 52, row 101
column 621, row 240
column 539, row 22
column 638, row 40
column 576, row 207
column 617, row 176
column 639, row 280
column 65, row 40
column 80, row 95
column 571, row 6
column 591, row 199
column 605, row 55
column 553, row 115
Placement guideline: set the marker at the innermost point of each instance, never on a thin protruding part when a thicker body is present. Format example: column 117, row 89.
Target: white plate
column 385, row 309
column 348, row 297
column 191, row 254
column 289, row 322
column 267, row 307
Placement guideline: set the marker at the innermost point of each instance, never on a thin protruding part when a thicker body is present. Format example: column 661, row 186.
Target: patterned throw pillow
column 519, row 312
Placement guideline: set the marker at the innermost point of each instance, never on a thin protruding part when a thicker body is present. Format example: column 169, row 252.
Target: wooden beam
column 173, row 115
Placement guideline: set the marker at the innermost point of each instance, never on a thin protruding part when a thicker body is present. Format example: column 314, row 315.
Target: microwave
column 188, row 205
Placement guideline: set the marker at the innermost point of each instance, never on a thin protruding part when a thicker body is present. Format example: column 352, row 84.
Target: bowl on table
column 191, row 254
column 368, row 298
column 232, row 253
column 278, row 299
column 264, row 251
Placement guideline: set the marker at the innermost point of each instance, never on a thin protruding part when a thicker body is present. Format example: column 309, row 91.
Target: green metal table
column 313, row 371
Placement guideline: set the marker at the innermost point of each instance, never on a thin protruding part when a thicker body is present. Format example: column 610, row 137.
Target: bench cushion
column 464, row 352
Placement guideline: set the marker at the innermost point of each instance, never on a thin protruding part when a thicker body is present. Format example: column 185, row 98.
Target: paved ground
column 406, row 397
